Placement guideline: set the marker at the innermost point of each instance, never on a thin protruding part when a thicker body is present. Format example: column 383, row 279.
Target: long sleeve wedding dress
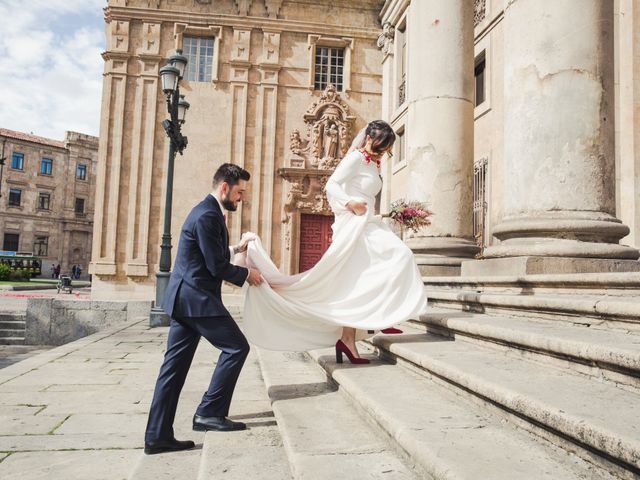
column 367, row 279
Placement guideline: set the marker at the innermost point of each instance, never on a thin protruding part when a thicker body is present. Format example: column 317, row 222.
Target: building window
column 44, row 201
column 81, row 172
column 15, row 197
column 480, row 67
column 11, row 242
column 17, row 161
column 41, row 246
column 329, row 68
column 479, row 200
column 199, row 52
column 46, row 166
column 79, row 206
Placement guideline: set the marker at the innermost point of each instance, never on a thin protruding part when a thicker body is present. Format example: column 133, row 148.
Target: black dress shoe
column 171, row 445
column 222, row 424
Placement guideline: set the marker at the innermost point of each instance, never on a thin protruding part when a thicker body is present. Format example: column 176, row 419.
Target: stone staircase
column 502, row 379
column 12, row 328
column 535, row 377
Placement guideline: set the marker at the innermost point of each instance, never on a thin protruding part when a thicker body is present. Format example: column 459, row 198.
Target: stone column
column 559, row 181
column 110, row 150
column 240, row 66
column 385, row 43
column 439, row 130
column 263, row 176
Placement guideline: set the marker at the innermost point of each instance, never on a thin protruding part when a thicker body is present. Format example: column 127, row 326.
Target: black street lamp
column 177, row 106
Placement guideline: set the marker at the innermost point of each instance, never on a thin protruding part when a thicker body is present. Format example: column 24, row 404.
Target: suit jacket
column 202, row 263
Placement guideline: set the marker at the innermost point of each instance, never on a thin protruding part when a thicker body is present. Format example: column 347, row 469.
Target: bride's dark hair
column 382, row 135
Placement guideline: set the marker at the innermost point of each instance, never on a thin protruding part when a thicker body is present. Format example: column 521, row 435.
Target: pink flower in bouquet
column 413, row 215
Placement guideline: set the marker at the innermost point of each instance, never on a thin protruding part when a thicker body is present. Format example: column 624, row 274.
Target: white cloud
column 51, row 66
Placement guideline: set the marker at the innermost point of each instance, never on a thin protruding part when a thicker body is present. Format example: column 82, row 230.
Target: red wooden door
column 315, row 238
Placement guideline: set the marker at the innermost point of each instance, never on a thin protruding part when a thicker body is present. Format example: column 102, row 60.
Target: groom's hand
column 255, row 277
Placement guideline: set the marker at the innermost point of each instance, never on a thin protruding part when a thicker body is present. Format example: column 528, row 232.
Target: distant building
column 47, row 197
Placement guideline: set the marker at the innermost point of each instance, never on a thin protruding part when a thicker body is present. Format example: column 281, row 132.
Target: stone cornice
column 262, row 23
column 393, row 10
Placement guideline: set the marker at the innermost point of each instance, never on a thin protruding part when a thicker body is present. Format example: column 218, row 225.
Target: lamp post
column 177, row 106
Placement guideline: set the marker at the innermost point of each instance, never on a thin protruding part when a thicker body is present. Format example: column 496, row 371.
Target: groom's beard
column 228, row 204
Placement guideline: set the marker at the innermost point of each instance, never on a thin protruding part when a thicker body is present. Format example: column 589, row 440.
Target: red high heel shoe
column 391, row 330
column 342, row 348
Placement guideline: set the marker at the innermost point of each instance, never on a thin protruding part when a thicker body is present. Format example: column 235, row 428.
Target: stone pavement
column 79, row 411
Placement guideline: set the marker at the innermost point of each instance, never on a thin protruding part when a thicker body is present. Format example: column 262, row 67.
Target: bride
column 366, row 280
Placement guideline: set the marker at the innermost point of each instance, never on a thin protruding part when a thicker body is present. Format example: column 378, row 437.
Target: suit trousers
column 184, row 334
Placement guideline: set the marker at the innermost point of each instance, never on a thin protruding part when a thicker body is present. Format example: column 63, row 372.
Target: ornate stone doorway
column 315, row 237
column 312, row 160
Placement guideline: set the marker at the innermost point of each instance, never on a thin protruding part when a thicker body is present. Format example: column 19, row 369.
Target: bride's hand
column 357, row 208
column 244, row 241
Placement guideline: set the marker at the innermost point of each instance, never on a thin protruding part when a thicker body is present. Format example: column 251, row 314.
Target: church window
column 329, row 68
column 199, row 52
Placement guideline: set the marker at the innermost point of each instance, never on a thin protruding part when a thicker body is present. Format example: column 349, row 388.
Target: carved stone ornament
column 243, row 6
column 329, row 122
column 479, row 11
column 385, row 39
column 313, row 157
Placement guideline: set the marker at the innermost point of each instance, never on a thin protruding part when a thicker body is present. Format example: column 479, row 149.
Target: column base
column 158, row 318
column 441, row 256
column 562, row 234
column 528, row 265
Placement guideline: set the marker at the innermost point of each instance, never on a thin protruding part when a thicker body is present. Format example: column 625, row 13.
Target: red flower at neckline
column 367, row 157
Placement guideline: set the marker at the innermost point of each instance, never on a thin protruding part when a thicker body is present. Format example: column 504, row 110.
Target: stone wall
column 51, row 321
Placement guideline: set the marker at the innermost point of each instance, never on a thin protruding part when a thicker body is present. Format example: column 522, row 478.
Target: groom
column 193, row 300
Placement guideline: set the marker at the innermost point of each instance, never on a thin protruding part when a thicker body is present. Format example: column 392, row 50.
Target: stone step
column 178, row 465
column 591, row 310
column 612, row 354
column 13, row 324
column 12, row 317
column 597, row 417
column 324, row 436
column 11, row 333
column 12, row 340
column 257, row 452
column 449, row 435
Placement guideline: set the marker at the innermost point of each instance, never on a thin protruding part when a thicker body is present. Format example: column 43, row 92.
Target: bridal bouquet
column 413, row 215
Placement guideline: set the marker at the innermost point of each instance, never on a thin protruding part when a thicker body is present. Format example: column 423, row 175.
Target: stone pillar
column 385, row 43
column 263, row 176
column 559, row 183
column 240, row 66
column 110, row 150
column 440, row 93
column 142, row 149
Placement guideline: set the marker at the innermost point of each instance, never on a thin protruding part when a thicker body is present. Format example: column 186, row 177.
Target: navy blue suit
column 193, row 300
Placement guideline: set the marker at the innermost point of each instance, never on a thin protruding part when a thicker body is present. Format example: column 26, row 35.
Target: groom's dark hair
column 230, row 173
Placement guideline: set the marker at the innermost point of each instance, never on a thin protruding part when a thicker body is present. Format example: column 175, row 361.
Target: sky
column 50, row 66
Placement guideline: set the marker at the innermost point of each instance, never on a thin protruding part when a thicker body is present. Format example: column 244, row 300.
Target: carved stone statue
column 331, row 142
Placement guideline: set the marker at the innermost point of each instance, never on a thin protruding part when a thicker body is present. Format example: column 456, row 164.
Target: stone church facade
column 518, row 124
column 279, row 87
column 522, row 139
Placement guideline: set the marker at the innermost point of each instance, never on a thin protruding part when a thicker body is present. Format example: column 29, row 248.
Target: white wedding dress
column 367, row 279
